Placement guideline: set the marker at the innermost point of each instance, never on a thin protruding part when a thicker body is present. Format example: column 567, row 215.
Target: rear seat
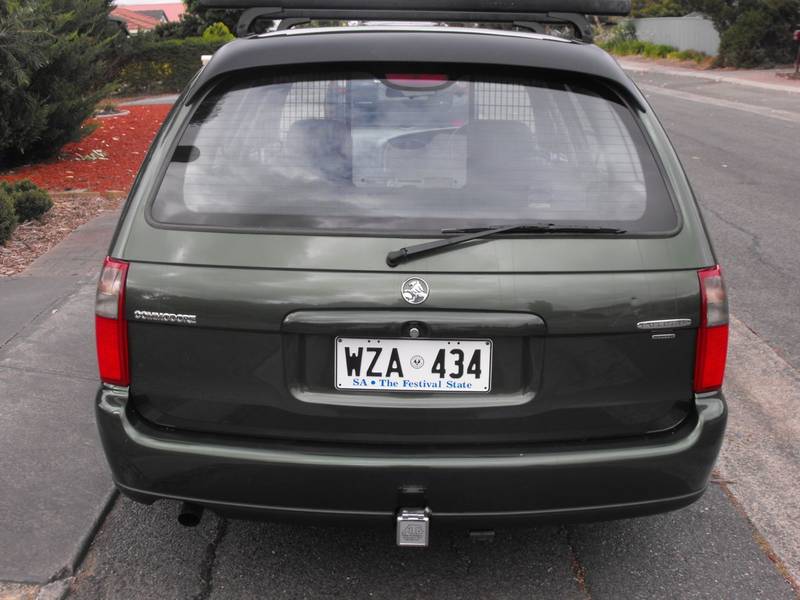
column 319, row 148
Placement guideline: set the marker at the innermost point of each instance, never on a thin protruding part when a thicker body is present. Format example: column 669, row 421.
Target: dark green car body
column 230, row 331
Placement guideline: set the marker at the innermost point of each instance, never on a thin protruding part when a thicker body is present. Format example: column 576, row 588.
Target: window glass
column 412, row 153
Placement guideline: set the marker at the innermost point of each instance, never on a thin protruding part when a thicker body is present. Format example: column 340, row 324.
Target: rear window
column 411, row 153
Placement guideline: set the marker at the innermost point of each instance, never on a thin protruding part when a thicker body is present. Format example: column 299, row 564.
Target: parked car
column 412, row 276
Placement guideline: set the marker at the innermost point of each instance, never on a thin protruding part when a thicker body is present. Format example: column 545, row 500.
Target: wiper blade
column 403, row 255
column 538, row 228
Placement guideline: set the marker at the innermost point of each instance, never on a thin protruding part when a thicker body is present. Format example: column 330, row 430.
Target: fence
column 693, row 32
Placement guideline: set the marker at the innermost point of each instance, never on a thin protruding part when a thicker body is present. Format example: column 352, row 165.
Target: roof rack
column 529, row 14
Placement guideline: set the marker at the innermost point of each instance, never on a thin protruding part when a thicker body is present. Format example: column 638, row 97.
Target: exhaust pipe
column 190, row 514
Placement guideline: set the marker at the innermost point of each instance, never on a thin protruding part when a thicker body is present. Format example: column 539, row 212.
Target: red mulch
column 118, row 146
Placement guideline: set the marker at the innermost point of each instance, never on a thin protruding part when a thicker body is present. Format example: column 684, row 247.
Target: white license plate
column 391, row 365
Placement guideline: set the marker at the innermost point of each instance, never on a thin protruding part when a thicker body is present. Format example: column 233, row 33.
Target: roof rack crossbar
column 292, row 17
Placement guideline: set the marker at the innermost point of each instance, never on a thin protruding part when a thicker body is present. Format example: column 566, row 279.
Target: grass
column 650, row 50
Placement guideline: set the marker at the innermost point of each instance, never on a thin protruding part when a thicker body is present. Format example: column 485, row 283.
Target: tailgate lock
column 412, row 527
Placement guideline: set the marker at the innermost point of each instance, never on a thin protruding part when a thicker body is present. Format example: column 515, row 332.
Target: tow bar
column 413, row 526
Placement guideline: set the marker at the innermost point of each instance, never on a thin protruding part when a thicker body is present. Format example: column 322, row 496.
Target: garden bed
column 106, row 160
column 33, row 238
column 90, row 176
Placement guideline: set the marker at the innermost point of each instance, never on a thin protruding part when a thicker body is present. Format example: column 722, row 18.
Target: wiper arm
column 403, row 255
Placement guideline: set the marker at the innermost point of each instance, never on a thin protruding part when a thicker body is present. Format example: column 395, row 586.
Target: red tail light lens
column 712, row 335
column 111, row 329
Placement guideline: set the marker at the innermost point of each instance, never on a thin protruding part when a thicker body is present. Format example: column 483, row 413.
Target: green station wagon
column 412, row 275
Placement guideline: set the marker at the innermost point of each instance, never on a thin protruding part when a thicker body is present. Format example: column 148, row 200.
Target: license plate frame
column 420, row 379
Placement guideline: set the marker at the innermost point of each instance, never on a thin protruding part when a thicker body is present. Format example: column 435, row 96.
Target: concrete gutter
column 739, row 77
column 760, row 460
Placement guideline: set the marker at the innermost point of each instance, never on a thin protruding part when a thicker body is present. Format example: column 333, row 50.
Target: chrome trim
column 165, row 317
column 410, row 29
column 113, row 399
column 662, row 336
column 664, row 324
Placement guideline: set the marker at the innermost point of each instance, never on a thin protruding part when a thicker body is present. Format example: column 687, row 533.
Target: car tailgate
column 569, row 361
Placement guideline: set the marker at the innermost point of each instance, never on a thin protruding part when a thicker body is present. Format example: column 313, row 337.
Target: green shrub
column 30, row 201
column 210, row 16
column 755, row 39
column 154, row 65
column 217, row 32
column 54, row 66
column 659, row 8
column 622, row 32
column 8, row 218
column 24, row 185
column 189, row 25
column 753, row 32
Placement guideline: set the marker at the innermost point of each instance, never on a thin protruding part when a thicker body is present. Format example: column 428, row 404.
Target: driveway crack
column 578, row 568
column 209, row 559
column 755, row 241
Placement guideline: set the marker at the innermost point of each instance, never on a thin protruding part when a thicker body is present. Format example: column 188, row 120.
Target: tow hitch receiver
column 412, row 527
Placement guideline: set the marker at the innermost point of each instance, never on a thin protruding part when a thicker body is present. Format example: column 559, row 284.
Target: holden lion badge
column 415, row 290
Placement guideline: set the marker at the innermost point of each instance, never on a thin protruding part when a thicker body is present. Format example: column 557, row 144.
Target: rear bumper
column 261, row 479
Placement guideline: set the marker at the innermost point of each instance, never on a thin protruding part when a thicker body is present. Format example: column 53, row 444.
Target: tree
column 209, row 16
column 753, row 32
column 22, row 51
column 659, row 8
column 54, row 67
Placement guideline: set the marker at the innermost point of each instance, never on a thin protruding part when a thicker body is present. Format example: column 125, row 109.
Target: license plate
column 391, row 365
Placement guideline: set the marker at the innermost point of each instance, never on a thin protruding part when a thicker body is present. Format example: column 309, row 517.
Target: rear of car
column 260, row 357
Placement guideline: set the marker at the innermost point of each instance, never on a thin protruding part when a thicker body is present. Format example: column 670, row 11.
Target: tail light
column 712, row 336
column 417, row 80
column 111, row 329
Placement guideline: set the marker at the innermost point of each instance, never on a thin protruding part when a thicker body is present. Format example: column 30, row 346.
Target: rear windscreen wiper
column 403, row 255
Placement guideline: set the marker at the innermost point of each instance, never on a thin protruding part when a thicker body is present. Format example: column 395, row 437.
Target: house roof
column 135, row 21
column 173, row 10
column 156, row 14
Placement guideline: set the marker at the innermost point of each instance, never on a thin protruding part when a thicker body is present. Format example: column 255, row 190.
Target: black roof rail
column 530, row 14
column 455, row 7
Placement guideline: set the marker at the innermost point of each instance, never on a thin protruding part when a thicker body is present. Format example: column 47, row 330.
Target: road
column 741, row 149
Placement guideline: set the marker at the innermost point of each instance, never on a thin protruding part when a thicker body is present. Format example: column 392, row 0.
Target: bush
column 213, row 15
column 30, row 201
column 155, row 65
column 54, row 60
column 622, row 32
column 8, row 218
column 23, row 185
column 658, row 8
column 189, row 25
column 756, row 38
column 217, row 32
column 753, row 32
